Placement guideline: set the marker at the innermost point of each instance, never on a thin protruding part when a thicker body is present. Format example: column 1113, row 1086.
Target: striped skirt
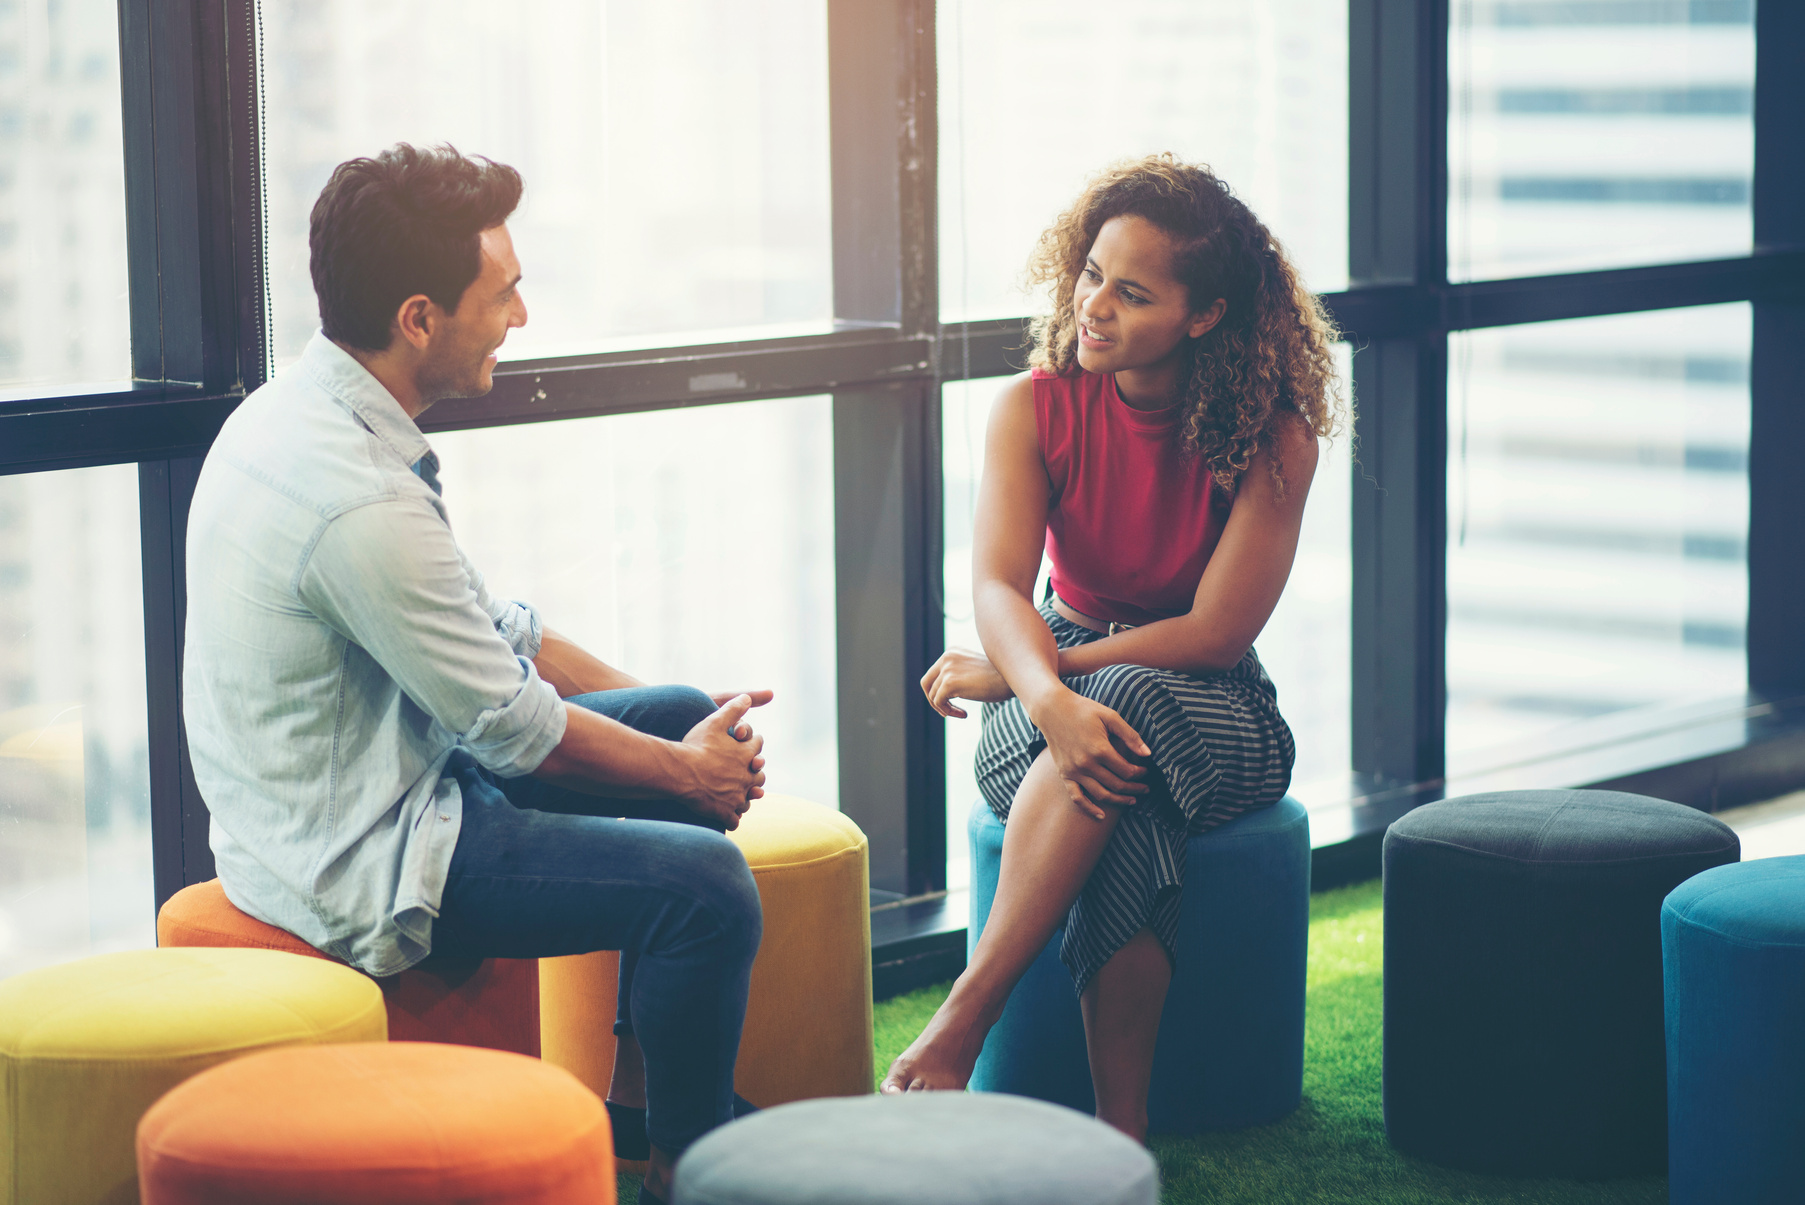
column 1220, row 748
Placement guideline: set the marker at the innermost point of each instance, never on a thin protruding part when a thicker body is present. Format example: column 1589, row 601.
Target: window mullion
column 881, row 81
column 1776, row 623
column 1397, row 220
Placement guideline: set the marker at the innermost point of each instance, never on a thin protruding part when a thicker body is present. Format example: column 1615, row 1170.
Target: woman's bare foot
column 942, row 1058
column 1135, row 1127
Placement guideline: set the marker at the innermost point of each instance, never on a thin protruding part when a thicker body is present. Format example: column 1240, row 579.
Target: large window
column 675, row 154
column 773, row 252
column 691, row 546
column 1598, row 134
column 75, row 841
column 1597, row 524
column 62, row 195
column 1036, row 95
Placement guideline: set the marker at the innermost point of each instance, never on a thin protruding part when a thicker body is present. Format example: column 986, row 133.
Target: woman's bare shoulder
column 1291, row 448
column 1013, row 409
column 1017, row 391
column 1293, row 437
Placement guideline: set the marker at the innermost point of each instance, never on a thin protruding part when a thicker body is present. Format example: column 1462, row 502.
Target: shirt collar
column 337, row 372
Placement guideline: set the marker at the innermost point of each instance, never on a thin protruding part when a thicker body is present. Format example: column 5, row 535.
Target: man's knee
column 716, row 872
column 683, row 706
column 662, row 711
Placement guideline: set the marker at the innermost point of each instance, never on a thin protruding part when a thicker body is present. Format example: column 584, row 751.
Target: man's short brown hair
column 407, row 221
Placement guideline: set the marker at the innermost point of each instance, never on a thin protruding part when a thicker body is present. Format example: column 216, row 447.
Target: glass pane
column 675, row 154
column 1036, row 95
column 75, row 861
column 1597, row 523
column 1304, row 646
column 692, row 546
column 1598, row 135
column 63, row 314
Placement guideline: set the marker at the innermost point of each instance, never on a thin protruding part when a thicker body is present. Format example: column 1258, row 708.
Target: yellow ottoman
column 808, row 1018
column 86, row 1047
column 578, row 998
column 808, row 1021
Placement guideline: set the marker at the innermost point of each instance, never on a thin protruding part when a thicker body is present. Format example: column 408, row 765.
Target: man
column 397, row 762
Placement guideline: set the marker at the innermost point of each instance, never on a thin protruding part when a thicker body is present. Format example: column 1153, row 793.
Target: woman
column 1160, row 453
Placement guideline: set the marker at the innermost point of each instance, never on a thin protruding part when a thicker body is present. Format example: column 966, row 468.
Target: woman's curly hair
column 1268, row 356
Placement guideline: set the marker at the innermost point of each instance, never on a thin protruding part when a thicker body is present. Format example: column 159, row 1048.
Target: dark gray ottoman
column 1523, row 1022
column 952, row 1148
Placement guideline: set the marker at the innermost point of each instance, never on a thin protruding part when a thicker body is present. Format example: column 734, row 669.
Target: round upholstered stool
column 952, row 1148
column 1733, row 947
column 1230, row 1051
column 808, row 1014
column 393, row 1124
column 493, row 1002
column 85, row 1048
column 1523, row 978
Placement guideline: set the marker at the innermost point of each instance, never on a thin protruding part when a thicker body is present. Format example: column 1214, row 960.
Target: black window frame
column 200, row 343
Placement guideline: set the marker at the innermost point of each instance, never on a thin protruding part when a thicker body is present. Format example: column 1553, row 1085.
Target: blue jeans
column 542, row 871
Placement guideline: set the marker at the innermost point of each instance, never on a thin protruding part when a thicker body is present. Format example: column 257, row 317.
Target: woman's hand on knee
column 963, row 674
column 1095, row 750
column 1084, row 803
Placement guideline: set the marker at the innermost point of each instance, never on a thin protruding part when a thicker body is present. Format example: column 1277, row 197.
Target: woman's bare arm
column 1241, row 584
column 1009, row 531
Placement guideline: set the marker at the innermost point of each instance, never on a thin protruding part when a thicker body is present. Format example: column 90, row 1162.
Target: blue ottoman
column 1733, row 956
column 1231, row 1041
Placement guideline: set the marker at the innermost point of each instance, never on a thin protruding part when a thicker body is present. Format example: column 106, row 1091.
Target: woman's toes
column 898, row 1079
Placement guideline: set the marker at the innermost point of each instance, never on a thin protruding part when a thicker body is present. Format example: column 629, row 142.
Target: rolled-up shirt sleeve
column 518, row 622
column 389, row 577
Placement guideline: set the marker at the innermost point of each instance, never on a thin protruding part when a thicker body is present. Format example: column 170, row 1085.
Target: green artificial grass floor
column 1333, row 1148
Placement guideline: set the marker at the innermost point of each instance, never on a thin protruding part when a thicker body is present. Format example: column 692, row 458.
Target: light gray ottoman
column 956, row 1148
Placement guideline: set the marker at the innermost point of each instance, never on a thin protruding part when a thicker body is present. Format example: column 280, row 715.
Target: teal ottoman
column 1231, row 1041
column 1733, row 964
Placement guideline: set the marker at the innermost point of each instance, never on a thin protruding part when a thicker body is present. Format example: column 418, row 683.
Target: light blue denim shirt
column 339, row 648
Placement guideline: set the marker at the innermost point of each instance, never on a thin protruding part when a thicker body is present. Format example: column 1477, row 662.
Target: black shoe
column 629, row 1124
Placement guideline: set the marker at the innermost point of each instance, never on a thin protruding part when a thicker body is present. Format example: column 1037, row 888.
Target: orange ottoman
column 377, row 1124
column 494, row 1003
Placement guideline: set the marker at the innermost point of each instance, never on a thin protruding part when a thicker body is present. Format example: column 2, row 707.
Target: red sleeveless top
column 1133, row 520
